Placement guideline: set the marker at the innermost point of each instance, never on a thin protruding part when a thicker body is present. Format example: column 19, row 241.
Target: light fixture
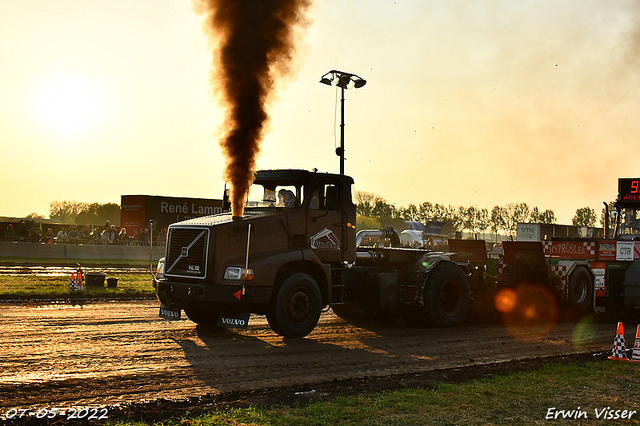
column 343, row 80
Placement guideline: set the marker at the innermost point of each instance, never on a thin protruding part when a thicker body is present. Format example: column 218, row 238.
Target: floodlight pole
column 342, row 80
column 341, row 149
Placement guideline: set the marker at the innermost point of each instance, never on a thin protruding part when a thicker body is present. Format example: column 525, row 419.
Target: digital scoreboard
column 629, row 189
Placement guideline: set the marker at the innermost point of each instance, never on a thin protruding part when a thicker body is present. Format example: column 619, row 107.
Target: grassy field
column 36, row 286
column 594, row 393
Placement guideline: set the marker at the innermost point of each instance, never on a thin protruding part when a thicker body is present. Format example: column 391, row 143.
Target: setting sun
column 70, row 104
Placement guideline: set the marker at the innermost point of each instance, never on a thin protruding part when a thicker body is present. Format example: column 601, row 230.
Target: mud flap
column 169, row 313
column 173, row 310
column 234, row 320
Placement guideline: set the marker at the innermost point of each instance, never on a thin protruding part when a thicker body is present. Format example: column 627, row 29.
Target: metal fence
column 79, row 241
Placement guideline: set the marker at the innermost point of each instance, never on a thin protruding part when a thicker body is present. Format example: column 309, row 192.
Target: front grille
column 186, row 254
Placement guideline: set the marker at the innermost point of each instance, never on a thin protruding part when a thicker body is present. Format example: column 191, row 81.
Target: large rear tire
column 446, row 297
column 297, row 306
column 580, row 291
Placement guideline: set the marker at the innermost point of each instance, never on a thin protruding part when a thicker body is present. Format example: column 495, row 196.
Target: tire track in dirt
column 108, row 353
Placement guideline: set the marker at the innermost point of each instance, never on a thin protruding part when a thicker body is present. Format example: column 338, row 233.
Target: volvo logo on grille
column 189, row 267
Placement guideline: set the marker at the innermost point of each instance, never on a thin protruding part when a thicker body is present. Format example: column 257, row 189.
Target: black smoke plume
column 253, row 44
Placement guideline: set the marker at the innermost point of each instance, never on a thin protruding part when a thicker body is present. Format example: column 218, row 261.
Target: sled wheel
column 580, row 289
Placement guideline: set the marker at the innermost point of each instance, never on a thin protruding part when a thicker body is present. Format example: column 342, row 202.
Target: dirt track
column 108, row 353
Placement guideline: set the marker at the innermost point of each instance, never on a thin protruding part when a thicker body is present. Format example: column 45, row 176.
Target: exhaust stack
column 253, row 43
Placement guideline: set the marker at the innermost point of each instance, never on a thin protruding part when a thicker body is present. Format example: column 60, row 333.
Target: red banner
column 571, row 249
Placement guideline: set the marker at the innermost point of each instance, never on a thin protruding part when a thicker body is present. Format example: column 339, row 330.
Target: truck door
column 325, row 228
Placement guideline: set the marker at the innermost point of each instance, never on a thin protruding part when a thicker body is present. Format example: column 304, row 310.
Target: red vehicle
column 599, row 274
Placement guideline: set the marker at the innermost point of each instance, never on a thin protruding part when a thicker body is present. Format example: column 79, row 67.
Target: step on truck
column 589, row 273
column 295, row 252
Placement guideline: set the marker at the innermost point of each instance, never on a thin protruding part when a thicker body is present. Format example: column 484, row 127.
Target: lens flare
column 583, row 332
column 505, row 300
column 533, row 314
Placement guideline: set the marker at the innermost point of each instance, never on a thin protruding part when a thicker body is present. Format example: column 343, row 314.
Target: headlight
column 237, row 273
column 160, row 268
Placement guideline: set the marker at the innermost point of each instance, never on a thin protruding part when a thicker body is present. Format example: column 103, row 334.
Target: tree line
column 374, row 210
column 84, row 213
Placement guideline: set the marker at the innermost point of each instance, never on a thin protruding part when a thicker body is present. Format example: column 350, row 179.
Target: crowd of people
column 25, row 231
column 31, row 231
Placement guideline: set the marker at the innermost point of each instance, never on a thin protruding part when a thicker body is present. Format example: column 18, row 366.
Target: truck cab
column 276, row 259
column 319, row 209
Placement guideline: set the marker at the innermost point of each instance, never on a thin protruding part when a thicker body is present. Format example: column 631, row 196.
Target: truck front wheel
column 446, row 297
column 296, row 309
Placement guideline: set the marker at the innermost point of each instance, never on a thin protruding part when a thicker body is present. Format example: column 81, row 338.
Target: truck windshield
column 261, row 196
column 629, row 223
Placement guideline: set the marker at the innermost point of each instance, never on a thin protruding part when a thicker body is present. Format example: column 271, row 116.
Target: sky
column 467, row 103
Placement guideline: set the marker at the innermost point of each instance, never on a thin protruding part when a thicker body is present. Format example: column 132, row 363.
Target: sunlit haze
column 471, row 103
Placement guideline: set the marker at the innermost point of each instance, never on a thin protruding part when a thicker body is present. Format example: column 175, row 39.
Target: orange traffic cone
column 635, row 356
column 79, row 279
column 619, row 351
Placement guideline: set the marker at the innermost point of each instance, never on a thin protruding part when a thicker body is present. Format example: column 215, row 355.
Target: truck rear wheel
column 446, row 297
column 580, row 294
column 205, row 317
column 297, row 306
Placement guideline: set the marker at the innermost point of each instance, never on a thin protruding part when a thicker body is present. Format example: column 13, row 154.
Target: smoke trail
column 253, row 44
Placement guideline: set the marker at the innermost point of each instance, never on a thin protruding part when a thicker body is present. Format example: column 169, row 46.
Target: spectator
column 107, row 226
column 112, row 235
column 162, row 236
column 73, row 234
column 62, row 236
column 144, row 237
column 122, row 236
column 9, row 233
column 23, row 232
column 85, row 236
column 35, row 233
column 104, row 236
column 49, row 236
column 95, row 236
